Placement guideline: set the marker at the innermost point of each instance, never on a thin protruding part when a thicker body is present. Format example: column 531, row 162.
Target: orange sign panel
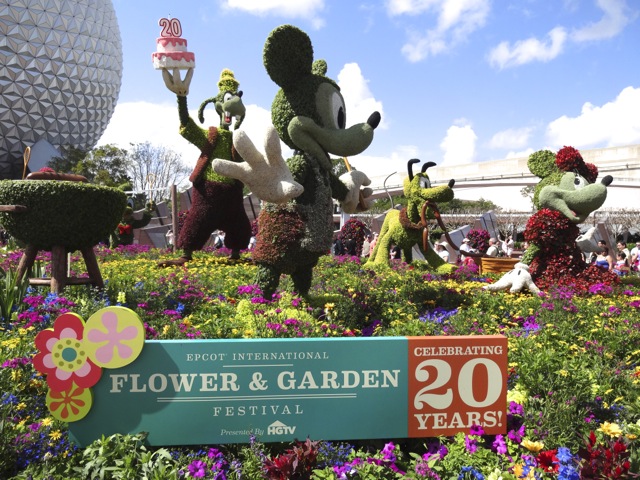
column 456, row 383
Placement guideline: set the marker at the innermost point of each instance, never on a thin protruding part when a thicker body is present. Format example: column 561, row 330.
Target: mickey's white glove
column 267, row 176
column 356, row 200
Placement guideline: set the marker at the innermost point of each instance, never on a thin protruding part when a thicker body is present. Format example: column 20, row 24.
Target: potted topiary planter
column 60, row 217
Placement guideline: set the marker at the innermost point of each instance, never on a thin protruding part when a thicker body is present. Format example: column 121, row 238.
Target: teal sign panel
column 223, row 391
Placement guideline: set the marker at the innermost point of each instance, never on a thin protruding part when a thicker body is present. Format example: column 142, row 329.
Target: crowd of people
column 625, row 261
column 622, row 261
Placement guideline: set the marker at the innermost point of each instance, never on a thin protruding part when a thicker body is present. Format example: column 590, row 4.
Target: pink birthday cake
column 171, row 49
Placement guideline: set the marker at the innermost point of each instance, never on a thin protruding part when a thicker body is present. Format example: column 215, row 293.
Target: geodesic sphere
column 60, row 77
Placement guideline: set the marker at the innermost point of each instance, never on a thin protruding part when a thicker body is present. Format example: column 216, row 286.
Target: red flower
column 124, row 229
column 63, row 355
column 548, row 461
column 568, row 159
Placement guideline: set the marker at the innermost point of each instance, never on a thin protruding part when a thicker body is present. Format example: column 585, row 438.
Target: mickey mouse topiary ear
column 319, row 67
column 287, row 55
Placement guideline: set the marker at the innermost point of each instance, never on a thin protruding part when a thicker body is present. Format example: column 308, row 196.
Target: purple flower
column 516, row 435
column 387, row 451
column 197, row 469
column 600, row 288
column 477, row 430
column 470, row 444
column 515, row 408
column 500, row 445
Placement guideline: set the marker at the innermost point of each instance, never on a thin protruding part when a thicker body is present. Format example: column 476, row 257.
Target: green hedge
column 72, row 214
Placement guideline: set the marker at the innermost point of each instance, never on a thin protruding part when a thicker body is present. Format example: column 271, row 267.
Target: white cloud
column 520, row 154
column 410, row 7
column 614, row 123
column 360, row 102
column 459, row 145
column 306, row 9
column 379, row 168
column 457, row 19
column 529, row 50
column 511, row 138
column 138, row 122
column 616, row 17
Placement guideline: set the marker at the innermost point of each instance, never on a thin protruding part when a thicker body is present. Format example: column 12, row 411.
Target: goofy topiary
column 309, row 115
column 406, row 228
column 217, row 200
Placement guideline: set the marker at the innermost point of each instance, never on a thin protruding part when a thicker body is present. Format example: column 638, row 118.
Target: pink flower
column 113, row 337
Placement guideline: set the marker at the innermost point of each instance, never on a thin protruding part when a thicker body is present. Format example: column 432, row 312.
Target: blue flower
column 471, row 471
column 564, row 455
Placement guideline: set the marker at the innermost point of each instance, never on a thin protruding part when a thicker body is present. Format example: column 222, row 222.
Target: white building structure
column 501, row 181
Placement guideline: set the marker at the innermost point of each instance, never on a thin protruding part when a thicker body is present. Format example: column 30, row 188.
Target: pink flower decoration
column 113, row 337
column 63, row 355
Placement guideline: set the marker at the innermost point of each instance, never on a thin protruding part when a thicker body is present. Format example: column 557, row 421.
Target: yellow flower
column 532, row 446
column 122, row 297
column 563, row 372
column 47, row 421
column 611, row 429
column 55, row 434
column 516, row 396
column 518, row 470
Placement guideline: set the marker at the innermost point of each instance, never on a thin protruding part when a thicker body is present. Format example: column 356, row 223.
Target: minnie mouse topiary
column 565, row 197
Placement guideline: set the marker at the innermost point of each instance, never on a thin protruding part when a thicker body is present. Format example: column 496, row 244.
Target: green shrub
column 71, row 214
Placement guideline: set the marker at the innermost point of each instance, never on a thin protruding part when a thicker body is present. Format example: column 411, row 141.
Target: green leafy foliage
column 12, row 292
column 71, row 214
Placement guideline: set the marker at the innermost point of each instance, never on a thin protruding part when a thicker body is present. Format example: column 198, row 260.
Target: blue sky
column 456, row 81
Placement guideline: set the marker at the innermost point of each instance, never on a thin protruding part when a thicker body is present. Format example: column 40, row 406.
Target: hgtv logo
column 279, row 428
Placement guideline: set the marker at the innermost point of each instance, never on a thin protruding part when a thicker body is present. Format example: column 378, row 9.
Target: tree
column 68, row 161
column 528, row 192
column 154, row 169
column 105, row 165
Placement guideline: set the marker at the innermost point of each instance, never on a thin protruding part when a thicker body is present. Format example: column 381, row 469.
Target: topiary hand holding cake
column 308, row 113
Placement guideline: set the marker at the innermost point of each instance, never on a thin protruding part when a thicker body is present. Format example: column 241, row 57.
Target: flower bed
column 574, row 373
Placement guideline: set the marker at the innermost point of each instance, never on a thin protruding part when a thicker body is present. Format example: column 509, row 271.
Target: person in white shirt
column 444, row 254
column 507, row 246
column 634, row 261
column 623, row 248
column 492, row 251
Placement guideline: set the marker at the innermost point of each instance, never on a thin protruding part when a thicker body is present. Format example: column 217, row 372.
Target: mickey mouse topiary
column 309, row 115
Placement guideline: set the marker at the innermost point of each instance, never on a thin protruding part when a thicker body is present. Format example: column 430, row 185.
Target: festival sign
column 222, row 391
